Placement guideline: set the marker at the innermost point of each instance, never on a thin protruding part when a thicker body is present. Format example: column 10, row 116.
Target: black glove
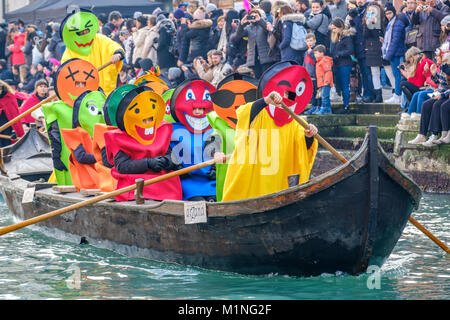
column 59, row 165
column 157, row 164
column 211, row 174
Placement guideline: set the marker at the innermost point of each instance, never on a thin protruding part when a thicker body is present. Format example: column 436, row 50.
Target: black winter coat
column 165, row 58
column 198, row 35
column 342, row 50
column 373, row 47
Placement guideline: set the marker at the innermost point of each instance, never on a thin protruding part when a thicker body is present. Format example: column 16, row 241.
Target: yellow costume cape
column 265, row 155
column 102, row 50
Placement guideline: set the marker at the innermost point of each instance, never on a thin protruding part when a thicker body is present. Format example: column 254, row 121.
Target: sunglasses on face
column 227, row 97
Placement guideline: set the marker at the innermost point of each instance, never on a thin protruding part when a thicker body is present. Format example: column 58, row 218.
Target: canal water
column 35, row 266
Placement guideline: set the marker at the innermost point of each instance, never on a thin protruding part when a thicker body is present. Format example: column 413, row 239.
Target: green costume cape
column 61, row 113
column 226, row 134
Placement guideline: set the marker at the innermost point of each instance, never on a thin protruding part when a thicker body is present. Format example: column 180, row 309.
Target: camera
column 236, row 21
column 251, row 18
column 424, row 7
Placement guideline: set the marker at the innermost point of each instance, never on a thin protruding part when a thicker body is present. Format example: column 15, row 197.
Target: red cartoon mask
column 190, row 103
column 293, row 83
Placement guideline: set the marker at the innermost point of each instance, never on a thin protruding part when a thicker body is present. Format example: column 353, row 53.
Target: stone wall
column 428, row 166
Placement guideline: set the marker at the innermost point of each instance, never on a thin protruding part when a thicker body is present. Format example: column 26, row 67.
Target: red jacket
column 421, row 76
column 324, row 71
column 28, row 104
column 8, row 104
column 17, row 56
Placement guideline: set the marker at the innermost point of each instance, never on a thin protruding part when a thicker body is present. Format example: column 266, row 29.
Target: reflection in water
column 35, row 266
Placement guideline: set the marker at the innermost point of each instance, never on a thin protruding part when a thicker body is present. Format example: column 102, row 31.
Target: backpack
column 172, row 34
column 298, row 37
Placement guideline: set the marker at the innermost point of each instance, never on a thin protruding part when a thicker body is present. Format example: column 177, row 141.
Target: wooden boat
column 30, row 157
column 343, row 220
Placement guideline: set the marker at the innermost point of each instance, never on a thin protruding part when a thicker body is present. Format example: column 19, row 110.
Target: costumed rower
column 269, row 145
column 79, row 33
column 73, row 78
column 192, row 139
column 139, row 148
column 87, row 111
column 107, row 182
column 232, row 92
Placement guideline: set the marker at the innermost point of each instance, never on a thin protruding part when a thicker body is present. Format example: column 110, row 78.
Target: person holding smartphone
column 429, row 17
column 255, row 27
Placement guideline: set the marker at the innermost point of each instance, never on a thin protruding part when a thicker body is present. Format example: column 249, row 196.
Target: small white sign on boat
column 195, row 212
column 28, row 195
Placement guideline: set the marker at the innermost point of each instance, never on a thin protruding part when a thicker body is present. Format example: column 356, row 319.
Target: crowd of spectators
column 351, row 48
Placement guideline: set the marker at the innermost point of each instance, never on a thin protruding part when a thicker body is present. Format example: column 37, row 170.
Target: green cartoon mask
column 78, row 31
column 87, row 111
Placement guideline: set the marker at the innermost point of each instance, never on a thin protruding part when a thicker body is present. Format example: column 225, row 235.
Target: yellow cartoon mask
column 140, row 113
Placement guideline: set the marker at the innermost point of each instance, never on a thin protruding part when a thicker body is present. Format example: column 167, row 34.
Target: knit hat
column 445, row 21
column 40, row 82
column 199, row 14
column 178, row 14
column 210, row 7
column 390, row 7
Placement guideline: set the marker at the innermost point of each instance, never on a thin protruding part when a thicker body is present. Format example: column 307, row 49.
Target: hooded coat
column 198, row 36
column 166, row 30
column 17, row 56
column 287, row 53
column 343, row 49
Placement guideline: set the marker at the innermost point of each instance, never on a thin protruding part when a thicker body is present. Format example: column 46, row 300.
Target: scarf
column 388, row 37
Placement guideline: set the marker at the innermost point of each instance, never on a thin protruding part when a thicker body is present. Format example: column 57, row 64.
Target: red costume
column 118, row 140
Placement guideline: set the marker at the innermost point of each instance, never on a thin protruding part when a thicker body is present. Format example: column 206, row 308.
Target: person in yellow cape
column 79, row 33
column 269, row 145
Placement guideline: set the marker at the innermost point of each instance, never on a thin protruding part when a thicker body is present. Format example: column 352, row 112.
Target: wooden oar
column 29, row 111
column 99, row 198
column 327, row 146
column 4, row 136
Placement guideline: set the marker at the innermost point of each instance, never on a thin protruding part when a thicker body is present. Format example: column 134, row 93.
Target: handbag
column 271, row 40
column 411, row 36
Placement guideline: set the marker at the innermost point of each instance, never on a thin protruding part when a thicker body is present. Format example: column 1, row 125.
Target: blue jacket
column 397, row 46
column 287, row 53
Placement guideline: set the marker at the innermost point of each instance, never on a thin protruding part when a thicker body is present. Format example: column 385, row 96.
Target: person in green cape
column 87, row 112
column 232, row 92
column 73, row 78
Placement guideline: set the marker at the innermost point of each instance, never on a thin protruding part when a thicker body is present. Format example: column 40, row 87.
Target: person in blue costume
column 192, row 140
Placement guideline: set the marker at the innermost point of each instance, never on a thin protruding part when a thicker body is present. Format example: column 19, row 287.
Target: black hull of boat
column 344, row 220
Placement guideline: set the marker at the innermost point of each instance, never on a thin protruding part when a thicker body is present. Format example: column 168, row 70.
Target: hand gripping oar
column 29, row 111
column 327, row 146
column 105, row 196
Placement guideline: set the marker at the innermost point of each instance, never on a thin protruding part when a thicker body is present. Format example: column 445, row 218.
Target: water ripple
column 35, row 266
